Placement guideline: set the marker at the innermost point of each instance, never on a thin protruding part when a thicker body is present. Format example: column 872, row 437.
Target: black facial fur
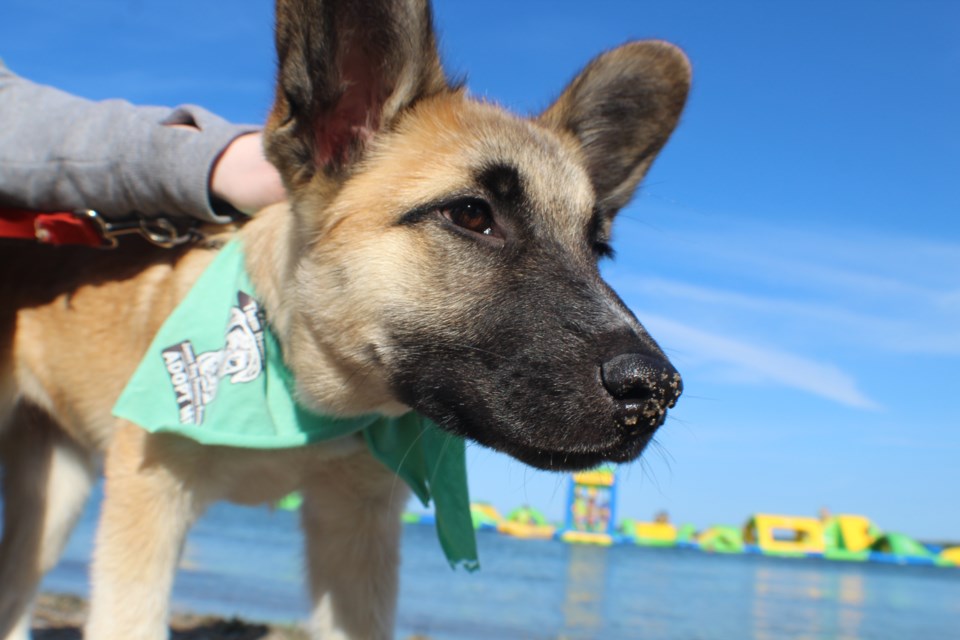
column 598, row 236
column 503, row 182
column 520, row 369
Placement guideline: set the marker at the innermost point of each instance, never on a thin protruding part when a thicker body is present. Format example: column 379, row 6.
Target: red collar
column 54, row 227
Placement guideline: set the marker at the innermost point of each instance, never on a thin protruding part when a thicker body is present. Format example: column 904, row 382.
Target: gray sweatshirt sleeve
column 60, row 152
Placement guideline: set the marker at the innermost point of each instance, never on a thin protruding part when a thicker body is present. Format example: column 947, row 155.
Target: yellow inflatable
column 787, row 535
column 586, row 537
column 527, row 530
column 951, row 554
column 656, row 531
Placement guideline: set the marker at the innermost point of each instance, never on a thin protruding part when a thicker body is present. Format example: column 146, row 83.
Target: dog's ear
column 346, row 69
column 621, row 109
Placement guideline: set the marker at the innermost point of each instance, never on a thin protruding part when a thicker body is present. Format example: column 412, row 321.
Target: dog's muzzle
column 644, row 387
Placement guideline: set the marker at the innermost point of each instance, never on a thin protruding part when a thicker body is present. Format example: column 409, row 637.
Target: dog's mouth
column 575, row 432
column 543, row 458
column 619, row 438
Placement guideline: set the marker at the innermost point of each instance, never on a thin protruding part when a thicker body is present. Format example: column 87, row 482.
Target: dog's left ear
column 621, row 109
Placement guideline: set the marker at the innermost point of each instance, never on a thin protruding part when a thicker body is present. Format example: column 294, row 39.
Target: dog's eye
column 474, row 216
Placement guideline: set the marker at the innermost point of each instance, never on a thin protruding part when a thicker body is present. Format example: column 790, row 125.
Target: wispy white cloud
column 803, row 289
column 854, row 260
column 931, row 327
column 752, row 362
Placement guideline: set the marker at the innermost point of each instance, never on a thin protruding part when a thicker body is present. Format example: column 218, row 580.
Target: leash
column 88, row 228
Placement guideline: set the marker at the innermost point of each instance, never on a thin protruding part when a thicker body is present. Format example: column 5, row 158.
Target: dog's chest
column 251, row 476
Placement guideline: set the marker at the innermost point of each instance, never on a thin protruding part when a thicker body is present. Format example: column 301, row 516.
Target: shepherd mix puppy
column 436, row 253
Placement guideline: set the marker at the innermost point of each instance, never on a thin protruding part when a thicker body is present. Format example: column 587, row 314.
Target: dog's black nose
column 645, row 386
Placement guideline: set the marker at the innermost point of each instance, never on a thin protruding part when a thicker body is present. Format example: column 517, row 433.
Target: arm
column 58, row 152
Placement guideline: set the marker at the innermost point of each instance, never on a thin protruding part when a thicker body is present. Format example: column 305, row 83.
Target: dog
column 436, row 253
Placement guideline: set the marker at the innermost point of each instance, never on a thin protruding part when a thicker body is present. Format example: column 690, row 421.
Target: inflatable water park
column 591, row 518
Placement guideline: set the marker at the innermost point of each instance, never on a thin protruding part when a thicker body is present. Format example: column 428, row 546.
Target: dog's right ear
column 621, row 109
column 346, row 69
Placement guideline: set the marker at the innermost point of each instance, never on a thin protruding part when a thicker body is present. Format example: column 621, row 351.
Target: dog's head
column 445, row 251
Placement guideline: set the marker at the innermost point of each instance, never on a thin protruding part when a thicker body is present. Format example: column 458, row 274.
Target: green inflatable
column 906, row 548
column 722, row 539
column 687, row 534
column 527, row 515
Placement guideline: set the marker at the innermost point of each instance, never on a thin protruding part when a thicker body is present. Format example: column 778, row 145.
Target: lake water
column 245, row 562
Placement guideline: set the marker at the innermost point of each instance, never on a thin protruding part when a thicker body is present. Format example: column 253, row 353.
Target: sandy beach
column 59, row 617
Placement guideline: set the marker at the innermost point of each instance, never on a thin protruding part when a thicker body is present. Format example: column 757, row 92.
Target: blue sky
column 796, row 248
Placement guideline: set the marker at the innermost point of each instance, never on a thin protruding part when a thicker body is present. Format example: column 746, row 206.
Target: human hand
column 243, row 178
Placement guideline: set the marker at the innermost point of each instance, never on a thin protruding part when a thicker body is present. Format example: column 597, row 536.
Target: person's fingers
column 243, row 177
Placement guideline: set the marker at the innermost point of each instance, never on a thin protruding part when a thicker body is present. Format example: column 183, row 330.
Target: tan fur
column 158, row 484
column 333, row 268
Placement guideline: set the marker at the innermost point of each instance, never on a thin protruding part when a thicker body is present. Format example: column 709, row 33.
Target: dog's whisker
column 443, row 450
column 396, row 478
column 664, row 454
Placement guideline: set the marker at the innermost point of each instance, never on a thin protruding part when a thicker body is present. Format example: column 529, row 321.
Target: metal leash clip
column 159, row 231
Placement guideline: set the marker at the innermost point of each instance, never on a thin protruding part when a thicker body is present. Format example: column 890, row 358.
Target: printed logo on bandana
column 196, row 377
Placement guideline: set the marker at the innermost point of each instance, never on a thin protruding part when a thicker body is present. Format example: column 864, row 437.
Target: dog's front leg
column 148, row 507
column 351, row 518
column 46, row 479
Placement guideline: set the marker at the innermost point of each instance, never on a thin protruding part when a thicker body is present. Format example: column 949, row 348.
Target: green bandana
column 215, row 373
